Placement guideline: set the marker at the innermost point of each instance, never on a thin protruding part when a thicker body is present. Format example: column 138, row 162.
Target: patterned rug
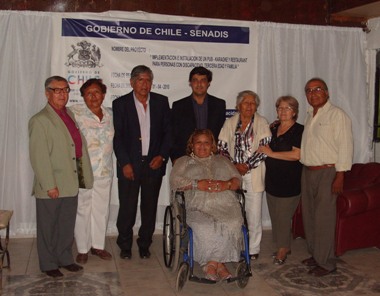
column 88, row 284
column 293, row 280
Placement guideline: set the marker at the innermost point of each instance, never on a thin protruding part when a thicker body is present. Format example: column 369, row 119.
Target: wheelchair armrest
column 180, row 196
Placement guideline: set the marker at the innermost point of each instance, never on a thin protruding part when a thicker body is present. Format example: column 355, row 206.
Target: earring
column 192, row 154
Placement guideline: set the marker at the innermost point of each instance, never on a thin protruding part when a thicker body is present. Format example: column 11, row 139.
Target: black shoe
column 54, row 273
column 319, row 271
column 144, row 253
column 73, row 267
column 310, row 262
column 126, row 254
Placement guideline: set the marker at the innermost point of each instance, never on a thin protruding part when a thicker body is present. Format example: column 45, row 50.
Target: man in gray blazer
column 60, row 161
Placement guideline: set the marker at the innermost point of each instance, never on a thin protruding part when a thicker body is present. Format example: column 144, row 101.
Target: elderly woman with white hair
column 239, row 140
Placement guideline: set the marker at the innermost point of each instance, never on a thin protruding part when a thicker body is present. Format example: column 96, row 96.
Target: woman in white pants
column 96, row 124
column 239, row 139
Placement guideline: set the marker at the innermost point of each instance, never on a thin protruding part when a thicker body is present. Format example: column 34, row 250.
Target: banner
column 109, row 47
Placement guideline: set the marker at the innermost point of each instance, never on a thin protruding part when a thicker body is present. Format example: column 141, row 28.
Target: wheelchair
column 177, row 243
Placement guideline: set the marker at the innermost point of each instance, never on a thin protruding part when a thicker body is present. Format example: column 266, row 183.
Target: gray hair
column 140, row 69
column 54, row 78
column 244, row 93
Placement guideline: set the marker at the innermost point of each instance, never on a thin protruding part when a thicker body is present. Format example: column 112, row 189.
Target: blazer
column 52, row 155
column 127, row 138
column 184, row 123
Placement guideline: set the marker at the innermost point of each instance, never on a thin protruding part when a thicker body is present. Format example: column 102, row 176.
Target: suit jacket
column 127, row 139
column 184, row 124
column 52, row 155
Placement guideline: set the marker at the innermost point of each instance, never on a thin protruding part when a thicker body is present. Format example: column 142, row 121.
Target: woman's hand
column 214, row 185
column 265, row 149
column 242, row 168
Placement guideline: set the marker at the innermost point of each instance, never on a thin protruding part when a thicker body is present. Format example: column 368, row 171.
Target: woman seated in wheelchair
column 212, row 209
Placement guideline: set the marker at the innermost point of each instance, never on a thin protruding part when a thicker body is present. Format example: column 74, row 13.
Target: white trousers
column 253, row 204
column 92, row 216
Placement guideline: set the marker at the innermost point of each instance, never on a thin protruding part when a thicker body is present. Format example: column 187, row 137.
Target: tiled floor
column 151, row 277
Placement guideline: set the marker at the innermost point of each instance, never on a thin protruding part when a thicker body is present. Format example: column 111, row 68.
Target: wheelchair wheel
column 241, row 271
column 177, row 236
column 182, row 276
column 168, row 237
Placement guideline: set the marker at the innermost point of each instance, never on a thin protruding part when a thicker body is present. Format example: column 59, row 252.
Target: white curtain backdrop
column 288, row 56
column 373, row 47
column 25, row 40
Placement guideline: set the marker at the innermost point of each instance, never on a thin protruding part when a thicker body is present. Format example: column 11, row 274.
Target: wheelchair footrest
column 194, row 278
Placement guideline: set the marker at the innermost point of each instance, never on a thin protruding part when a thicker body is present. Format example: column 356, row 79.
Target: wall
column 377, row 152
column 313, row 12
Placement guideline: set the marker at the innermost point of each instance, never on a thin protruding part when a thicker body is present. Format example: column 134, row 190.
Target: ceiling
column 366, row 11
column 357, row 16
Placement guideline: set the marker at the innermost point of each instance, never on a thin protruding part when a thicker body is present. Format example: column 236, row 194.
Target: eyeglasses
column 284, row 108
column 65, row 90
column 317, row 89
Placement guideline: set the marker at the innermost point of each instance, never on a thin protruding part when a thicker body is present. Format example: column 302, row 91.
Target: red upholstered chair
column 358, row 210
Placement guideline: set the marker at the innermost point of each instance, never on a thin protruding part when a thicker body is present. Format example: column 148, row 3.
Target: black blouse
column 283, row 177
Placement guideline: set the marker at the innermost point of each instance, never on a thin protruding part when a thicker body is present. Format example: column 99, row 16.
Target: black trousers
column 128, row 200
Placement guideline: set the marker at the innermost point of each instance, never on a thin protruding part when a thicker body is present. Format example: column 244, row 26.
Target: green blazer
column 52, row 155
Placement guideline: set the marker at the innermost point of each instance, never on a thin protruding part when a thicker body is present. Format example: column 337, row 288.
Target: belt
column 320, row 167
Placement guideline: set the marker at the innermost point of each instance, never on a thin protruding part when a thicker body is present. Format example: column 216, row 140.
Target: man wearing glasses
column 326, row 153
column 61, row 165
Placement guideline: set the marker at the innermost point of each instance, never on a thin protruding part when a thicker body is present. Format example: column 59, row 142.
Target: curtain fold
column 25, row 42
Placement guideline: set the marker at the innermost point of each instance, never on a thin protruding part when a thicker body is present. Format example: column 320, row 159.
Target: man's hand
column 156, row 162
column 337, row 185
column 53, row 193
column 128, row 172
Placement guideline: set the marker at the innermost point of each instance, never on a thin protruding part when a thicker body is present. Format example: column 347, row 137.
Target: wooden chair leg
column 6, row 249
column 5, row 216
column 1, row 277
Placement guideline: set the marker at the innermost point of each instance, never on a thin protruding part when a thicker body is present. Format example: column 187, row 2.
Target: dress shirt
column 327, row 138
column 72, row 128
column 144, row 120
column 201, row 111
column 99, row 135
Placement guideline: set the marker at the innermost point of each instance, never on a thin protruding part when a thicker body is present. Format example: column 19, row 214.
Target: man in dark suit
column 142, row 145
column 197, row 111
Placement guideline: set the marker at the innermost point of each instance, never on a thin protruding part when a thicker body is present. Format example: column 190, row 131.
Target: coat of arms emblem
column 84, row 55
